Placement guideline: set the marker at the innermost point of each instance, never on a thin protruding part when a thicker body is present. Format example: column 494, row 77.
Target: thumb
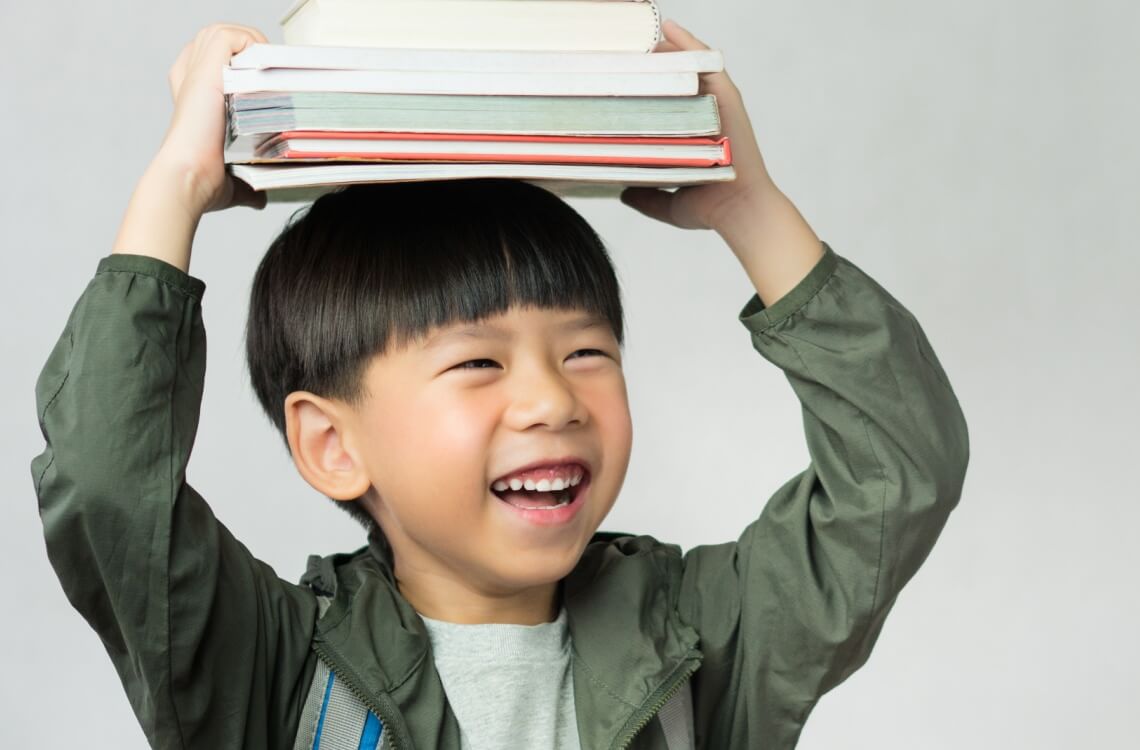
column 654, row 203
column 244, row 195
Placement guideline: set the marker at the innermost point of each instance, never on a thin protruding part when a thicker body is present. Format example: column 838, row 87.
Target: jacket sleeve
column 212, row 648
column 794, row 606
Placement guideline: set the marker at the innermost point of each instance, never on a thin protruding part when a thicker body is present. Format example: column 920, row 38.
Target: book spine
column 293, row 156
column 656, row 26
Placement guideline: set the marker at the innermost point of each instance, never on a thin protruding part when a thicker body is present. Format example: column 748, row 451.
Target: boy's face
column 451, row 420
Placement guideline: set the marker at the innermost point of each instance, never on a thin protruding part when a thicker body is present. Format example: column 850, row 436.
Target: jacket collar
column 621, row 585
column 628, row 640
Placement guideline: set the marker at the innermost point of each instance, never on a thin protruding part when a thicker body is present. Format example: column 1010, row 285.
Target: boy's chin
column 537, row 569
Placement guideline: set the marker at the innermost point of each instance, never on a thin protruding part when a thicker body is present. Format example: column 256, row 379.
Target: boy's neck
column 444, row 599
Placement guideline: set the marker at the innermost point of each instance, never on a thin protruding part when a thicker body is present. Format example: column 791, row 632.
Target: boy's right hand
column 193, row 144
column 188, row 176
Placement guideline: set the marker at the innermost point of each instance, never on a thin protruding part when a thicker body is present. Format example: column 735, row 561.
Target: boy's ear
column 322, row 446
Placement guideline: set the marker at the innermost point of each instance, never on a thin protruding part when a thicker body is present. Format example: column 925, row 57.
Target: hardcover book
column 600, row 25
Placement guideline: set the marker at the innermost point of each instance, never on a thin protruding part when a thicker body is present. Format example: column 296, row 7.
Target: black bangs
column 375, row 266
column 483, row 247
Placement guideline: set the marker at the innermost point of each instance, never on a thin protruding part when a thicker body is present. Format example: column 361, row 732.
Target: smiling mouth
column 540, row 499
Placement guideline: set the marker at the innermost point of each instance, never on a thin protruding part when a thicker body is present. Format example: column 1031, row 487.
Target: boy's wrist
column 771, row 239
column 728, row 217
column 180, row 181
column 162, row 215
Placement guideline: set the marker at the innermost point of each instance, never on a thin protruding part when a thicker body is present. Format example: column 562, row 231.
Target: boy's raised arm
column 188, row 177
column 794, row 606
column 212, row 648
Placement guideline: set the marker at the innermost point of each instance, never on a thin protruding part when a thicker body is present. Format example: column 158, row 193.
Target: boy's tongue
column 524, row 499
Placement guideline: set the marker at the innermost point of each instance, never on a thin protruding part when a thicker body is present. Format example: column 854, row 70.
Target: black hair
column 372, row 267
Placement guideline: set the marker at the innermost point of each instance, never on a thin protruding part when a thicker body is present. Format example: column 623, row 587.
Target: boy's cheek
column 617, row 423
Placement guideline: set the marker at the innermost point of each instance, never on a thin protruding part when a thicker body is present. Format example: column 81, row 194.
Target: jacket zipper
column 391, row 742
column 664, row 693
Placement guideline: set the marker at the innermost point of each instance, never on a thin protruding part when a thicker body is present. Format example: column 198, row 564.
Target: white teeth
column 542, row 485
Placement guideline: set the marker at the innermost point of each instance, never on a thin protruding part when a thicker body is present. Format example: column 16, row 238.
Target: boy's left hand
column 760, row 225
column 703, row 206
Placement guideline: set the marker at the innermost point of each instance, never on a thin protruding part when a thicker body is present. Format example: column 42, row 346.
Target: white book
column 262, row 56
column 274, row 177
column 461, row 82
column 607, row 25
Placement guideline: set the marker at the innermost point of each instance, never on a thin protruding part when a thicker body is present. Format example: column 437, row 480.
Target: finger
column 255, row 33
column 666, row 46
column 178, row 70
column 221, row 41
column 235, row 38
column 244, row 195
column 718, row 84
column 654, row 203
column 234, row 27
column 214, row 51
column 680, row 36
column 721, row 86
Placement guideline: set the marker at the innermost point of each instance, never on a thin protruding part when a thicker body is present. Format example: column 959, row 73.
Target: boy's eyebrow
column 488, row 331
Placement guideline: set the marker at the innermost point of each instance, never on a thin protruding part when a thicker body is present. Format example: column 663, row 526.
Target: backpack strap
column 333, row 718
column 676, row 718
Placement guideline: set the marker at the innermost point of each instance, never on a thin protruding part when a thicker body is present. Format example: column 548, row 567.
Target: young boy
column 456, row 382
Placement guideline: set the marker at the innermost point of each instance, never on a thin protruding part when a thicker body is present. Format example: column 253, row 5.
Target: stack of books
column 564, row 93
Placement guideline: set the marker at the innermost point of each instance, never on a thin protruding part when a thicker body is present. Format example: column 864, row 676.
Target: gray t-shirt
column 510, row 686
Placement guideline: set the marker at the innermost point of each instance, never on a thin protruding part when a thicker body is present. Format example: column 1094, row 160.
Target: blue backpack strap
column 373, row 731
column 333, row 718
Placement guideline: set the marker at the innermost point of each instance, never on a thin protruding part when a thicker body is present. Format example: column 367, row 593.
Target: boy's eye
column 487, row 364
column 476, row 364
column 587, row 353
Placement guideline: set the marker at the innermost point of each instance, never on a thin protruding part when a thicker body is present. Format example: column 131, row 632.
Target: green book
column 254, row 117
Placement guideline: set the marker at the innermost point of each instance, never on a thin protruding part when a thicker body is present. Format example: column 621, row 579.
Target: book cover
column 278, row 176
column 587, row 25
column 265, row 56
column 237, row 81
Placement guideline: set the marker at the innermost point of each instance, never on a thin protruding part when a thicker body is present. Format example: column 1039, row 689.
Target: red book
column 298, row 145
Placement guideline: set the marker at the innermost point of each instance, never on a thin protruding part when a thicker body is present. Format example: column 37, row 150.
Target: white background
column 978, row 158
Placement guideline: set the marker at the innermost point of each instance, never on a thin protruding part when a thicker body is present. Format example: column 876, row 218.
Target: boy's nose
column 543, row 398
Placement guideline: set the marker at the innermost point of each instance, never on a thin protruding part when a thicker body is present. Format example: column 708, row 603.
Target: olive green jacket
column 215, row 651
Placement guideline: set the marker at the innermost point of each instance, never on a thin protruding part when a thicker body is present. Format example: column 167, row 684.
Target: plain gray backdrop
column 978, row 158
